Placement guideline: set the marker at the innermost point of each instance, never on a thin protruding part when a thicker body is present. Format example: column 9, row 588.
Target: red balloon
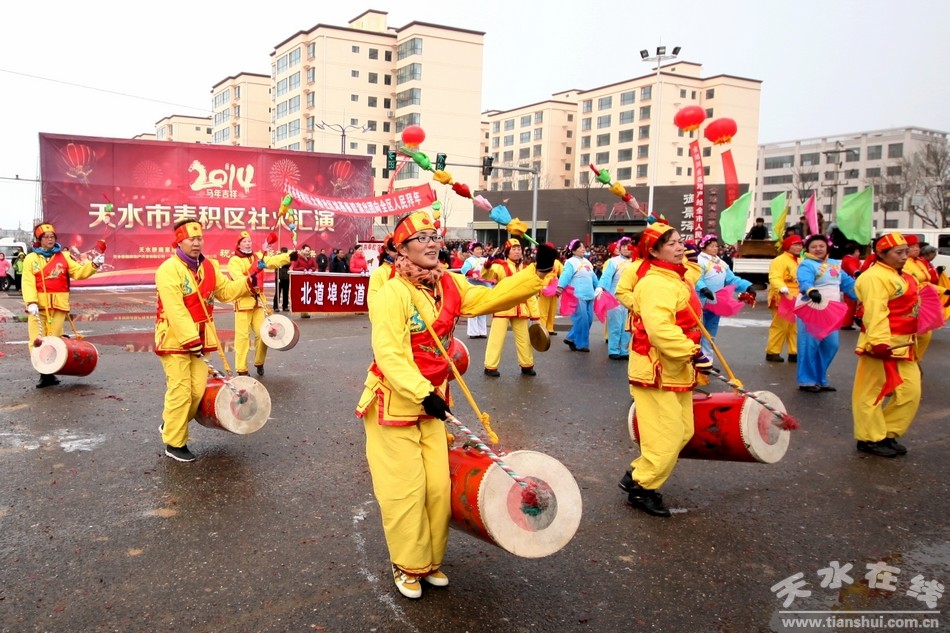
column 413, row 136
column 689, row 118
column 721, row 131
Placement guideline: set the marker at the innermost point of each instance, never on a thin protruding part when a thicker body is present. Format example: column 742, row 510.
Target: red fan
column 603, row 303
column 568, row 302
column 725, row 304
column 821, row 319
column 930, row 315
column 786, row 308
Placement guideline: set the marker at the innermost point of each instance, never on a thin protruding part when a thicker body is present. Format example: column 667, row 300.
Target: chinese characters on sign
column 699, row 191
column 324, row 292
column 396, row 203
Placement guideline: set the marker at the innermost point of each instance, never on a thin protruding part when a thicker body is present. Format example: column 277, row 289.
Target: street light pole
column 342, row 129
column 659, row 58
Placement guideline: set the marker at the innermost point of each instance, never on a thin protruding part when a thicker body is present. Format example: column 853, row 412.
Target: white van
column 938, row 237
column 9, row 246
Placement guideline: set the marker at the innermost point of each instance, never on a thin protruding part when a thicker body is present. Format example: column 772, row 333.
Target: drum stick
column 722, row 359
column 779, row 419
column 533, row 502
column 241, row 394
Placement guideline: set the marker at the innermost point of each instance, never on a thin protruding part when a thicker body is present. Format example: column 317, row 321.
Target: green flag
column 732, row 221
column 854, row 216
column 779, row 206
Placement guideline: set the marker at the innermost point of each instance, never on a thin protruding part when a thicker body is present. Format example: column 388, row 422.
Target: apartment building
column 836, row 166
column 241, row 106
column 183, row 129
column 619, row 126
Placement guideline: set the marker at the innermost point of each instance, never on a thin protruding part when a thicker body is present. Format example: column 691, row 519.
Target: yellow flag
column 779, row 207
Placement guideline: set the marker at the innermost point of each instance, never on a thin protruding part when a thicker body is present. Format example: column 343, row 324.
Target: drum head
column 458, row 352
column 539, row 337
column 539, row 529
column 50, row 356
column 244, row 414
column 765, row 440
column 631, row 425
column 279, row 332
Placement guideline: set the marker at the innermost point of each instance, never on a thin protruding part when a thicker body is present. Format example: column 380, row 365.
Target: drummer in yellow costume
column 406, row 393
column 886, row 352
column 783, row 282
column 547, row 306
column 248, row 312
column 47, row 271
column 187, row 285
column 665, row 357
column 920, row 271
column 516, row 316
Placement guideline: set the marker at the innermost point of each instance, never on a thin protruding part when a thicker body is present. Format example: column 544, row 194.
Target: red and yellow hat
column 188, row 230
column 511, row 242
column 412, row 224
column 242, row 235
column 650, row 235
column 912, row 239
column 888, row 241
column 791, row 241
column 40, row 229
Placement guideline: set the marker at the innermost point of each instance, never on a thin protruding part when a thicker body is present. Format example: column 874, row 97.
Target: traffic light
column 391, row 160
column 486, row 166
column 440, row 162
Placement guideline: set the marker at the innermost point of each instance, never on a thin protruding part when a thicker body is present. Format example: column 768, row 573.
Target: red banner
column 730, row 178
column 328, row 292
column 151, row 184
column 699, row 190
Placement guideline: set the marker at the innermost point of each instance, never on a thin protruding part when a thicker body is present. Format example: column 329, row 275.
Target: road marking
column 69, row 441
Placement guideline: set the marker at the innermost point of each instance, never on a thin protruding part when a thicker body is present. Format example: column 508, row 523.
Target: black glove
column 702, row 364
column 196, row 350
column 435, row 406
column 294, row 256
column 940, row 269
column 706, row 292
column 544, row 260
column 814, row 295
column 489, row 261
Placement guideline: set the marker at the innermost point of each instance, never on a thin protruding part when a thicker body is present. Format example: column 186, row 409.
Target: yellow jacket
column 875, row 288
column 555, row 272
column 240, row 267
column 527, row 310
column 174, row 325
column 33, row 263
column 400, row 389
column 783, row 271
column 665, row 359
column 381, row 275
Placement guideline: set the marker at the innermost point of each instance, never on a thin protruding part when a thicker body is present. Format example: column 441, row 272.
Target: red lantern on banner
column 413, row 136
column 341, row 172
column 721, row 131
column 80, row 161
column 689, row 118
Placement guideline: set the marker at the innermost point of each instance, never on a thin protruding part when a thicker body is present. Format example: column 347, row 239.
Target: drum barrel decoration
column 221, row 409
column 63, row 356
column 278, row 332
column 458, row 352
column 730, row 427
column 488, row 504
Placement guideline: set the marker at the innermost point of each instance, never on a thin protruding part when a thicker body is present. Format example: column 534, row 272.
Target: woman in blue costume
column 579, row 274
column 716, row 275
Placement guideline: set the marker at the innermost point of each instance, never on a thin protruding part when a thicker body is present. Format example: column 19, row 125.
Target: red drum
column 279, row 332
column 458, row 352
column 63, row 356
column 730, row 427
column 486, row 501
column 221, row 409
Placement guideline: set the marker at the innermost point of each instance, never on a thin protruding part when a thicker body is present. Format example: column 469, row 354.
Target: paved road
column 278, row 530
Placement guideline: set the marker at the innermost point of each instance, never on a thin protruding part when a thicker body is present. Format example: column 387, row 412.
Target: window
column 509, row 124
column 495, row 142
column 644, row 112
column 624, row 155
column 585, row 124
column 585, row 159
column 852, row 155
column 625, row 136
column 710, row 93
column 641, row 171
column 570, row 117
column 894, row 170
column 524, row 137
column 587, row 106
column 626, row 98
column 603, row 121
column 374, row 53
column 706, row 171
column 807, row 160
column 388, row 79
column 536, row 150
column 371, row 102
column 311, row 75
column 709, row 113
column 779, row 162
column 603, row 139
column 371, row 149
column 538, row 118
column 373, row 78
column 585, row 142
column 405, row 121
column 567, row 150
column 354, row 73
column 526, row 120
column 624, row 173
column 646, row 92
column 679, row 170
column 524, row 153
column 508, row 156
column 355, row 49
column 537, row 133
column 682, row 93
column 895, row 150
column 872, row 172
column 509, row 140
column 567, row 183
column 707, row 152
column 784, row 179
column 644, row 131
column 311, row 99
column 408, row 73
column 355, row 98
column 496, row 127
column 605, row 103
column 643, row 151
column 386, row 126
column 874, row 152
column 409, row 48
column 626, row 117
column 413, row 96
column 602, row 158
column 851, row 173
column 679, row 151
column 850, row 190
column 388, row 56
column 570, row 134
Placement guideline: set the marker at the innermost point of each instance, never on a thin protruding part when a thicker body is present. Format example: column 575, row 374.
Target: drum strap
column 210, row 323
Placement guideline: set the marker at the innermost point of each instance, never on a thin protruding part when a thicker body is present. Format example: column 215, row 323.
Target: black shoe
column 304, row 316
column 528, row 371
column 492, row 372
column 793, row 358
column 613, row 356
column 809, row 388
column 47, row 380
column 827, row 388
column 650, row 501
column 570, row 344
column 626, row 482
column 552, row 333
column 774, row 358
column 847, row 327
column 624, row 357
column 179, row 453
column 880, row 449
column 581, row 349
column 891, row 442
column 260, row 369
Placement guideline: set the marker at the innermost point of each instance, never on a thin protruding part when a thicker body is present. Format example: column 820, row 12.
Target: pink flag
column 810, row 211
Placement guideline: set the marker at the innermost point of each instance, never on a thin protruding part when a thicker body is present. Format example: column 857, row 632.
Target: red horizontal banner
column 328, row 292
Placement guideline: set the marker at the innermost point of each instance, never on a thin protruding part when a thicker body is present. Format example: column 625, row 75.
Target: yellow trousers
column 52, row 325
column 410, row 470
column 923, row 342
column 496, row 342
column 874, row 422
column 548, row 308
column 781, row 333
column 665, row 422
column 186, row 378
column 245, row 323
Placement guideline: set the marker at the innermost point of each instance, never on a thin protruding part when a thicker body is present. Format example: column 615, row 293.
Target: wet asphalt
column 279, row 530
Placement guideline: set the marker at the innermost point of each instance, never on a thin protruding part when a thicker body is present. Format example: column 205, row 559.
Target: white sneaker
column 408, row 586
column 437, row 579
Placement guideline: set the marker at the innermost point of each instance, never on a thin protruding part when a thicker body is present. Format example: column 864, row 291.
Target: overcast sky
column 109, row 68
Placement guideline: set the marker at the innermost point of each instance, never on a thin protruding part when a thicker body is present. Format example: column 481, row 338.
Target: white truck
column 752, row 260
column 9, row 246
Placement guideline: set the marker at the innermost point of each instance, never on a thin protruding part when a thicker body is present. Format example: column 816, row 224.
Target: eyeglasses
column 425, row 239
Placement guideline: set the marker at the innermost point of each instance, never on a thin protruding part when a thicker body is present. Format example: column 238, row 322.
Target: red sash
column 431, row 363
column 198, row 300
column 902, row 310
column 54, row 276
